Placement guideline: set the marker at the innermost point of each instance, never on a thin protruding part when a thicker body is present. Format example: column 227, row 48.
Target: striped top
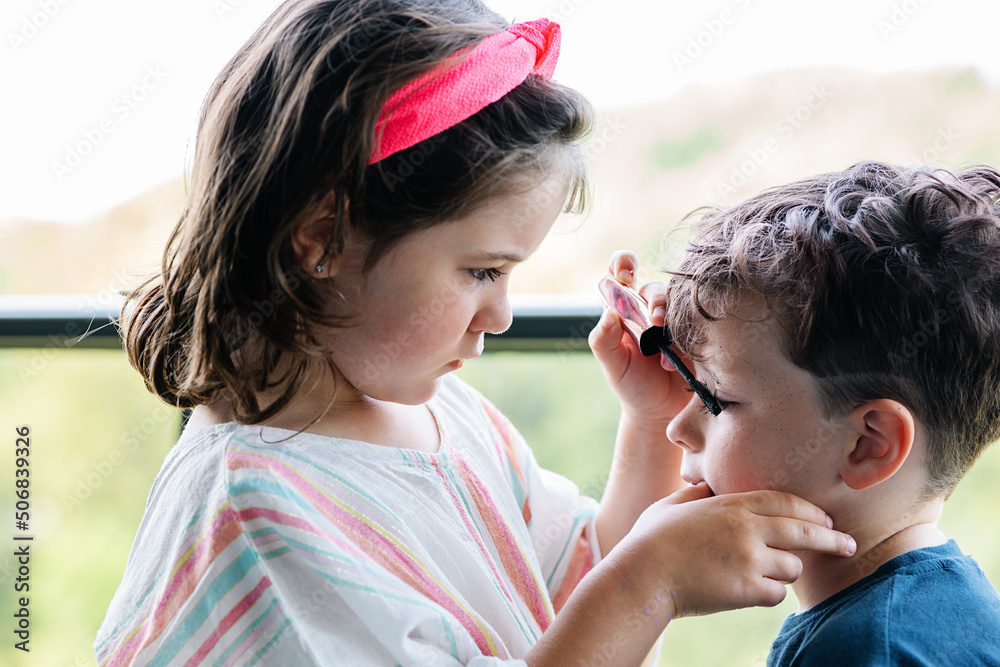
column 259, row 545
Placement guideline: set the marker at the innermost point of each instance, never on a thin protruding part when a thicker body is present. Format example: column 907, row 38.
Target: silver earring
column 320, row 268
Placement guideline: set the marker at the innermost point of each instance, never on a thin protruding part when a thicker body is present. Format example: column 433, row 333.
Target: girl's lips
column 455, row 365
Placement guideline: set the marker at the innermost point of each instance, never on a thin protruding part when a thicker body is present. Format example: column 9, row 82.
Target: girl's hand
column 688, row 554
column 714, row 553
column 649, row 388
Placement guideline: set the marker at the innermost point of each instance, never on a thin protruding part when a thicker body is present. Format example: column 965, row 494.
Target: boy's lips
column 693, row 478
column 689, row 473
column 695, row 481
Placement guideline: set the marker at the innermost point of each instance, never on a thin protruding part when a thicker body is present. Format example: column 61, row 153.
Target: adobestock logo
column 223, row 7
column 943, row 141
column 703, row 40
column 122, row 107
column 32, row 24
column 900, row 15
column 786, row 126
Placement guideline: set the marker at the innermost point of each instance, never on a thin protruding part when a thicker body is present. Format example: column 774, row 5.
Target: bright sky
column 102, row 97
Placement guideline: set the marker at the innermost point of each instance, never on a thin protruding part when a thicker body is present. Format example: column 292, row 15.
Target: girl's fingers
column 779, row 504
column 770, row 593
column 782, row 567
column 797, row 525
column 655, row 294
column 606, row 337
column 687, row 494
column 796, row 535
column 623, row 266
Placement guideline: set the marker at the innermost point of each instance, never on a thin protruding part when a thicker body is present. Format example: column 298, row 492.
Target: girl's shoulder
column 195, row 461
column 200, row 464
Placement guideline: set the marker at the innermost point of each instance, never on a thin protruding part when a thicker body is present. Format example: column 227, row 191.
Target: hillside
column 651, row 166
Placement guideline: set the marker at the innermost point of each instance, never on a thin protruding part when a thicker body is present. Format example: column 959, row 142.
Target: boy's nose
column 682, row 430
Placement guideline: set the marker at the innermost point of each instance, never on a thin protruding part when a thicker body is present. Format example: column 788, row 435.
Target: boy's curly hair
column 886, row 283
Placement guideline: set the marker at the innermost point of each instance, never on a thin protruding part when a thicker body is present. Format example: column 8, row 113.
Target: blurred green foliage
column 98, row 439
column 678, row 153
column 966, row 81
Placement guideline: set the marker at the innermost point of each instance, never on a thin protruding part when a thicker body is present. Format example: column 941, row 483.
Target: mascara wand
column 634, row 313
column 658, row 339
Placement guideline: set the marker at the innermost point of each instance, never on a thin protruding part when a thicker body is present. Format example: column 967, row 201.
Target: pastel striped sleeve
column 560, row 520
column 206, row 600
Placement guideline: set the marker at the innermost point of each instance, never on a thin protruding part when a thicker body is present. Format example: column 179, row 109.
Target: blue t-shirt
column 928, row 607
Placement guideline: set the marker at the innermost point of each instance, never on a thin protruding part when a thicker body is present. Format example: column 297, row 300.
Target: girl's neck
column 368, row 420
column 354, row 418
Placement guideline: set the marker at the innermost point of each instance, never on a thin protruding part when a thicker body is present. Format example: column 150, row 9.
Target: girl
column 367, row 174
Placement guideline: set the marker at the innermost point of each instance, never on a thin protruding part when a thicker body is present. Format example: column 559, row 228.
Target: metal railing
column 542, row 323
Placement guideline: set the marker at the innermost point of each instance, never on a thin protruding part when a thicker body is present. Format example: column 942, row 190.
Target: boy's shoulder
column 931, row 606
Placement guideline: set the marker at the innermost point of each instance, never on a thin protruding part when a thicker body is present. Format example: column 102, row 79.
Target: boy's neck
column 823, row 576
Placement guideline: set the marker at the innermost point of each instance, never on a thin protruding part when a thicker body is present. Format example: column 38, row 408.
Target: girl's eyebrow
column 497, row 256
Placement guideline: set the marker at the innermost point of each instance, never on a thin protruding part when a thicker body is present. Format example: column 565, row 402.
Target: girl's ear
column 882, row 441
column 312, row 236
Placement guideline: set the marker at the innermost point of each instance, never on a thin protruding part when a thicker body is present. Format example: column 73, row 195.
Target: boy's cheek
column 742, row 481
column 794, row 461
column 779, row 480
column 756, row 476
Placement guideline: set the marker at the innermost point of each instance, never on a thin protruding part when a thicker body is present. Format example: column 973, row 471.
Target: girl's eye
column 483, row 274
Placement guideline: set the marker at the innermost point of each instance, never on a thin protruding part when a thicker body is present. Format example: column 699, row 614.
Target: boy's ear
column 311, row 236
column 881, row 442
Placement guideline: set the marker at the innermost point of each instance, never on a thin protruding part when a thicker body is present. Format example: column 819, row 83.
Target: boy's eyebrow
column 701, row 365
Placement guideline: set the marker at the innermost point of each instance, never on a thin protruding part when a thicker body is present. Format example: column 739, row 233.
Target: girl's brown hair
column 290, row 122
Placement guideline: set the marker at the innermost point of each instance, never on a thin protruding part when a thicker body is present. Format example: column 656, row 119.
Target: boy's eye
column 483, row 274
column 722, row 406
column 704, row 408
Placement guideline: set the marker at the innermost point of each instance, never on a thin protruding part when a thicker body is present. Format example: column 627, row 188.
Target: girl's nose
column 494, row 315
column 682, row 429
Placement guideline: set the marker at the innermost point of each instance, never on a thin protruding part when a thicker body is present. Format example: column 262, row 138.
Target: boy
column 849, row 325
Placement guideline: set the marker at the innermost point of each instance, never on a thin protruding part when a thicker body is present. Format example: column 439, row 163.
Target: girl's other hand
column 715, row 553
column 649, row 388
column 689, row 554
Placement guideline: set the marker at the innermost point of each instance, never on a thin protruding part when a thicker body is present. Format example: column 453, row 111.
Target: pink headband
column 441, row 99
